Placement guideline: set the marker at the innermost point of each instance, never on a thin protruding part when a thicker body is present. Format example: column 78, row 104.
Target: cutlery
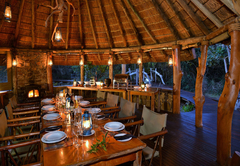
column 51, row 128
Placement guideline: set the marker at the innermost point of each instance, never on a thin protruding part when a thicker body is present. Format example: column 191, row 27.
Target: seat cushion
column 147, row 153
column 9, row 111
column 3, row 123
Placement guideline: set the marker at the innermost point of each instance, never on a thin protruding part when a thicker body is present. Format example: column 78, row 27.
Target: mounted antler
column 59, row 8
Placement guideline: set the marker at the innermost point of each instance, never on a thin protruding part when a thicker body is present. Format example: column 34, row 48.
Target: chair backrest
column 9, row 111
column 112, row 100
column 101, row 96
column 3, row 123
column 13, row 101
column 127, row 108
column 153, row 122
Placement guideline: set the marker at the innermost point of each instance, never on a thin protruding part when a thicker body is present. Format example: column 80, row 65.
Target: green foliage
column 98, row 144
column 188, row 107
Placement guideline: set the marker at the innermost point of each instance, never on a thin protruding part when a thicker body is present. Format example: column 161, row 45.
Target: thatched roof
column 115, row 24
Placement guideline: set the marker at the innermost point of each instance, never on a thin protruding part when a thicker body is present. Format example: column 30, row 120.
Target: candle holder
column 86, row 123
column 142, row 86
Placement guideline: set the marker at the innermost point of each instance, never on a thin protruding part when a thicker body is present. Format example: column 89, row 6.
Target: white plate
column 48, row 108
column 52, row 116
column 114, row 126
column 93, row 110
column 53, row 137
column 123, row 140
column 92, row 132
column 47, row 101
column 84, row 103
column 51, row 130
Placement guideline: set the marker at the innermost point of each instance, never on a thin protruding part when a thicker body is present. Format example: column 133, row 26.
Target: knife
column 126, row 136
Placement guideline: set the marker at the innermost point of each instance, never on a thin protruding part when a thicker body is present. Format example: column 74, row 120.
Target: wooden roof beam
column 33, row 23
column 91, row 23
column 207, row 13
column 194, row 17
column 80, row 24
column 229, row 4
column 19, row 22
column 150, row 56
column 68, row 24
column 119, row 23
column 140, row 19
column 166, row 20
column 110, row 40
column 179, row 18
column 137, row 34
column 50, row 29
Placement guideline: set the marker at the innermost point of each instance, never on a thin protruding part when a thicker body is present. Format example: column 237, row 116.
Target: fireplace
column 31, row 93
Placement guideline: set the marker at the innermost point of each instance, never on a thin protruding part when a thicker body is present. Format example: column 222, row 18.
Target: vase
column 107, row 82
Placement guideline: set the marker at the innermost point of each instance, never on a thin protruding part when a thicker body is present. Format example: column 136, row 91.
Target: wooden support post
column 33, row 24
column 50, row 29
column 82, row 69
column 228, row 99
column 123, row 68
column 68, row 25
column 111, row 69
column 141, row 69
column 49, row 74
column 177, row 77
column 199, row 98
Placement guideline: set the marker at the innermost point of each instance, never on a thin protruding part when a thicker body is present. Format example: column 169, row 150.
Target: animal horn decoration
column 60, row 7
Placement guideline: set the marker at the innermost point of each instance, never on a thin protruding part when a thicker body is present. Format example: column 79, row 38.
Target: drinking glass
column 80, row 131
column 76, row 142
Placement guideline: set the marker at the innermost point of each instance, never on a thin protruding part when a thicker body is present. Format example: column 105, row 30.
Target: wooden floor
column 186, row 145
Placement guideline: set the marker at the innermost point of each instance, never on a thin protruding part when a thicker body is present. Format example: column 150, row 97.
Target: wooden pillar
column 177, row 77
column 49, row 74
column 228, row 99
column 111, row 68
column 199, row 98
column 82, row 69
column 141, row 69
column 123, row 68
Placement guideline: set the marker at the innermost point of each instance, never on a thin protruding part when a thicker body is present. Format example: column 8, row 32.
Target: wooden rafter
column 33, row 23
column 229, row 4
column 179, row 18
column 150, row 56
column 110, row 40
column 137, row 34
column 50, row 29
column 119, row 23
column 19, row 21
column 166, row 20
column 129, row 56
column 194, row 17
column 80, row 24
column 140, row 19
column 91, row 23
column 68, row 24
column 207, row 13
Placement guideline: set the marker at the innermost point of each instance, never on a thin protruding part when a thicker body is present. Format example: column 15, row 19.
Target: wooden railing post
column 199, row 98
column 228, row 99
column 82, row 69
column 177, row 77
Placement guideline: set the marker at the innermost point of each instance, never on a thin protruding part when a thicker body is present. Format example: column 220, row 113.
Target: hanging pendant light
column 170, row 60
column 7, row 12
column 139, row 61
column 81, row 62
column 58, row 35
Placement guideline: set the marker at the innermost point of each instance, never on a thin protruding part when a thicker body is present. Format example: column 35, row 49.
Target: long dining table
column 64, row 153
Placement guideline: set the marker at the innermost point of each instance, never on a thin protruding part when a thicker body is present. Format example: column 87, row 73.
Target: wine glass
column 75, row 136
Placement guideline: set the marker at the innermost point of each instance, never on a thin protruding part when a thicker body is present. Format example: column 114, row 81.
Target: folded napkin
column 52, row 128
column 124, row 137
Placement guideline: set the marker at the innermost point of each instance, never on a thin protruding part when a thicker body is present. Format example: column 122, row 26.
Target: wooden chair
column 154, row 129
column 112, row 101
column 235, row 161
column 17, row 149
column 101, row 96
column 29, row 118
column 24, row 106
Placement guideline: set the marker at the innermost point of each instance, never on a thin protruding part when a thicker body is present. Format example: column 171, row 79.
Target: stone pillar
column 123, row 68
column 82, row 69
column 141, row 69
column 49, row 74
column 228, row 99
column 177, row 77
column 199, row 98
column 111, row 69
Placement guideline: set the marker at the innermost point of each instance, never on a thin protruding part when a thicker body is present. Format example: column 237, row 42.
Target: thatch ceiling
column 115, row 24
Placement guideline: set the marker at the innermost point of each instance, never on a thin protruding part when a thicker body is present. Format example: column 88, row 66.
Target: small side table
column 2, row 93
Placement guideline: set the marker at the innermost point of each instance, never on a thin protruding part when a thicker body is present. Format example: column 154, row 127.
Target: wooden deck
column 186, row 145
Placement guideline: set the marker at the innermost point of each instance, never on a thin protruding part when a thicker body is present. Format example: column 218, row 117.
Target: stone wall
column 31, row 68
